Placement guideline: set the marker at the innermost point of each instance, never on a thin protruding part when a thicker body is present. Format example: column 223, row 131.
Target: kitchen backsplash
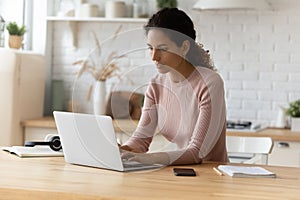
column 256, row 53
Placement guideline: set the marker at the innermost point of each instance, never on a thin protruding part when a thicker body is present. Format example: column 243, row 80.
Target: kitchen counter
column 120, row 125
column 277, row 134
column 128, row 126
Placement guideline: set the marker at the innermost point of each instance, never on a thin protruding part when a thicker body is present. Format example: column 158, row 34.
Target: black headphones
column 54, row 143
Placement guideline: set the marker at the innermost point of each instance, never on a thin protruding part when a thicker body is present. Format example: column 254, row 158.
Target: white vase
column 295, row 126
column 99, row 98
column 281, row 118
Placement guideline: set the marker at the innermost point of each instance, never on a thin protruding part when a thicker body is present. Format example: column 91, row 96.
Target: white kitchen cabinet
column 285, row 153
column 22, row 81
column 37, row 133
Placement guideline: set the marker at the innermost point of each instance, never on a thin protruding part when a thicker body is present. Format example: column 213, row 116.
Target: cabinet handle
column 283, row 145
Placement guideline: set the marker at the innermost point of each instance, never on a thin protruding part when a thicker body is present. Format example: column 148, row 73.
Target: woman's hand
column 125, row 147
column 144, row 158
column 147, row 158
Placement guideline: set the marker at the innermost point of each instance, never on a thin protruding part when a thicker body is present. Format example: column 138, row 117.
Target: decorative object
column 58, row 95
column 295, row 124
column 15, row 35
column 125, row 105
column 281, row 121
column 101, row 71
column 66, row 8
column 166, row 3
column 89, row 10
column 231, row 4
column 140, row 9
column 114, row 9
column 99, row 98
column 294, row 112
column 104, row 70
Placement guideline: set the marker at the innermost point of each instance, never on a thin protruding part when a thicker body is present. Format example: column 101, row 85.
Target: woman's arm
column 142, row 136
column 147, row 158
column 210, row 124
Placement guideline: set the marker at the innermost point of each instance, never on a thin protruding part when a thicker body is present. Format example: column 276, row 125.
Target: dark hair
column 179, row 27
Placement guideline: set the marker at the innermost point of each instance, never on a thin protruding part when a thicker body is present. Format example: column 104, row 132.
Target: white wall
column 11, row 11
column 256, row 52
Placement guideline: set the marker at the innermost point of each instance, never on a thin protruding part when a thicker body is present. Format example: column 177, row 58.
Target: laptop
column 90, row 140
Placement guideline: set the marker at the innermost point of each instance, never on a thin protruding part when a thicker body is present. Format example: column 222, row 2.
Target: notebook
column 246, row 171
column 36, row 151
column 90, row 140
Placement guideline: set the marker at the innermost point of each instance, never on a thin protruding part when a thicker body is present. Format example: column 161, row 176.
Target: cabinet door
column 285, row 154
column 38, row 134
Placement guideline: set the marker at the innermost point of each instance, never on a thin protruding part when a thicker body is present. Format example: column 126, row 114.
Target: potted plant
column 166, row 3
column 294, row 112
column 15, row 35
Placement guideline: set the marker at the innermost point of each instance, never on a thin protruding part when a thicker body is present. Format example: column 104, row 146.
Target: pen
column 218, row 171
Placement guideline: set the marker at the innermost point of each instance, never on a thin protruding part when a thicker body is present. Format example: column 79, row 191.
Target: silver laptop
column 90, row 140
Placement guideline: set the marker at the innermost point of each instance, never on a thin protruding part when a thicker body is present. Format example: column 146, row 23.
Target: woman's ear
column 185, row 47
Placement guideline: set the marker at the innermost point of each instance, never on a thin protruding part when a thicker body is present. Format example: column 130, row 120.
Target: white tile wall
column 256, row 52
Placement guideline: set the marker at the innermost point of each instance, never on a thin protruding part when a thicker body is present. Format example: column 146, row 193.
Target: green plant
column 294, row 109
column 166, row 3
column 14, row 29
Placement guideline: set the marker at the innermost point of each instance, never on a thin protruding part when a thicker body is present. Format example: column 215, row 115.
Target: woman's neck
column 182, row 73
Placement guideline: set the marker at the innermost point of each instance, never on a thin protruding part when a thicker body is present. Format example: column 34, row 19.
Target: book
column 36, row 151
column 246, row 171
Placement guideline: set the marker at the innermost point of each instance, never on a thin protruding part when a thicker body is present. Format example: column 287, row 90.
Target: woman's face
column 164, row 52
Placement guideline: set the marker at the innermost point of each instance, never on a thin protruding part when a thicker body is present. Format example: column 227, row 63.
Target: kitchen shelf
column 72, row 22
column 98, row 19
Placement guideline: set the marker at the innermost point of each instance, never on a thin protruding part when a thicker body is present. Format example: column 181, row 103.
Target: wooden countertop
column 277, row 134
column 120, row 125
column 128, row 126
column 52, row 178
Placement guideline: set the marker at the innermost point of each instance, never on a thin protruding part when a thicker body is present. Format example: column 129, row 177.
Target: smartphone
column 184, row 172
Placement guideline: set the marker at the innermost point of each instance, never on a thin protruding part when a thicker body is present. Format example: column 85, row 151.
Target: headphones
column 52, row 140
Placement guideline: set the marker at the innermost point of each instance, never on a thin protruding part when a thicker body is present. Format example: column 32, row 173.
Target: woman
column 185, row 101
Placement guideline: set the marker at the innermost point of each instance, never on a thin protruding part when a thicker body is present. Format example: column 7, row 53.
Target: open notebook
column 36, row 151
column 246, row 171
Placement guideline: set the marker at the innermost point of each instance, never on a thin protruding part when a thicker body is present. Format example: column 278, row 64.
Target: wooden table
column 52, row 178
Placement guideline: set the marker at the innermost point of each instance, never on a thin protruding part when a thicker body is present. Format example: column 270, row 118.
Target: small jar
column 89, row 10
column 115, row 9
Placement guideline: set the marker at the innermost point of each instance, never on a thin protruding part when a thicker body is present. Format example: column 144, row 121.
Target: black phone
column 184, row 172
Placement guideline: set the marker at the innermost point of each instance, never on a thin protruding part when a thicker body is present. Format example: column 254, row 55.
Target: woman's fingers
column 125, row 147
column 127, row 155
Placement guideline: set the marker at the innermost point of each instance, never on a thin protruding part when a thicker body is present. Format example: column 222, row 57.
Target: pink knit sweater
column 191, row 114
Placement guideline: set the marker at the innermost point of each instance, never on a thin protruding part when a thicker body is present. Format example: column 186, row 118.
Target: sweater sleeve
column 209, row 125
column 143, row 135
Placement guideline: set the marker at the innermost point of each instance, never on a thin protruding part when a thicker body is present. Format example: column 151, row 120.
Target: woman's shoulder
column 158, row 79
column 208, row 74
